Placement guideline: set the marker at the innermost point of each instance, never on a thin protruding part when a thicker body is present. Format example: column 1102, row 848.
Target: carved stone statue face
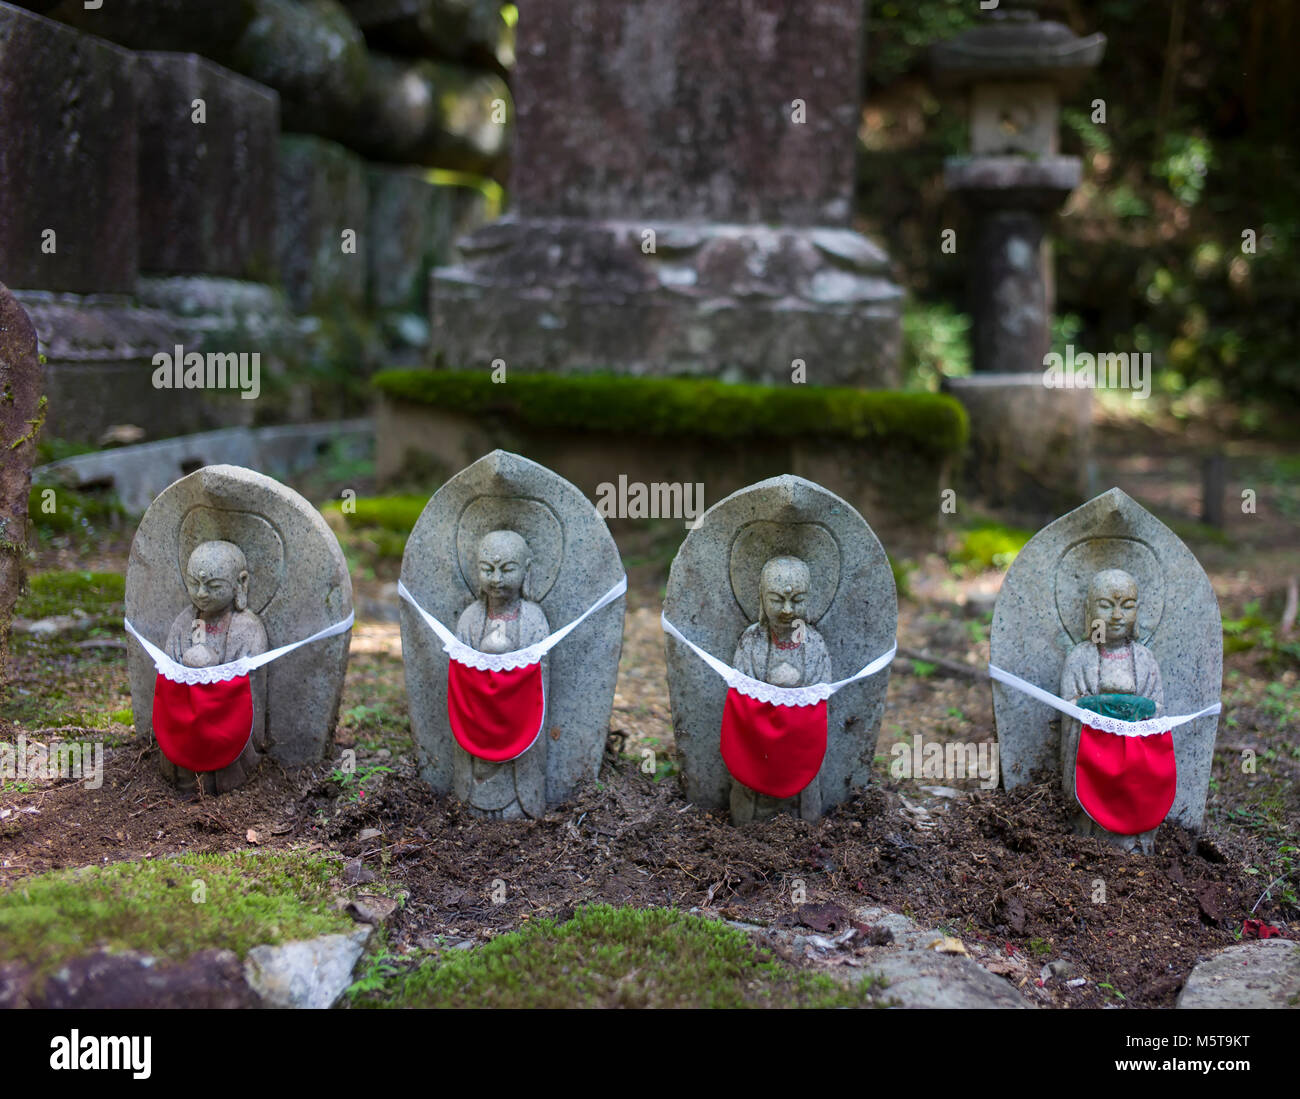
column 216, row 577
column 503, row 563
column 1113, row 600
column 783, row 591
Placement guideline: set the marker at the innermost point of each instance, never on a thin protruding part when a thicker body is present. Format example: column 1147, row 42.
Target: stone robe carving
column 517, row 787
column 1118, row 665
column 781, row 649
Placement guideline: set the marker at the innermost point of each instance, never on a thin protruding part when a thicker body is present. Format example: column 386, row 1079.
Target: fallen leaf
column 1258, row 929
column 950, row 945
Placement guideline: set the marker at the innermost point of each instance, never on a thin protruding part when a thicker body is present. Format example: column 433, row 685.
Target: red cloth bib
column 495, row 716
column 776, row 750
column 1125, row 783
column 203, row 726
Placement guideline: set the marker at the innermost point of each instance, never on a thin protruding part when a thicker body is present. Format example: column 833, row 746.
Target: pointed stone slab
column 576, row 562
column 299, row 585
column 851, row 578
column 1039, row 616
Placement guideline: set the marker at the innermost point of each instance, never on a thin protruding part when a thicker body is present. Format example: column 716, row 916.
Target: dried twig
column 941, row 663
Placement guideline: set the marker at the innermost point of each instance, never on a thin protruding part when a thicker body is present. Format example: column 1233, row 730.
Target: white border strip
column 1150, row 727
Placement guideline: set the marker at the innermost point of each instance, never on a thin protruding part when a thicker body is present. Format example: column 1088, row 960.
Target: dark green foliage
column 1197, row 148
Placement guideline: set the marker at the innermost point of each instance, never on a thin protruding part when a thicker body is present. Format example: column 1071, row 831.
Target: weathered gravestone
column 505, row 554
column 207, row 178
column 228, row 563
column 68, row 194
column 320, row 194
column 22, row 408
column 783, row 538
column 1107, row 603
column 682, row 189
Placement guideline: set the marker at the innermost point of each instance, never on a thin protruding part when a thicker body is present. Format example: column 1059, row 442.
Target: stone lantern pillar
column 1029, row 442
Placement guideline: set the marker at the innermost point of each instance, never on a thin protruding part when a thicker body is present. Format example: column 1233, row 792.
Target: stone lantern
column 1029, row 442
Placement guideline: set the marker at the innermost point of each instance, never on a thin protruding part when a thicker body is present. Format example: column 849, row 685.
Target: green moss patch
column 66, row 516
column 609, row 957
column 988, row 546
column 51, row 593
column 154, row 906
column 391, row 513
column 699, row 407
column 375, row 531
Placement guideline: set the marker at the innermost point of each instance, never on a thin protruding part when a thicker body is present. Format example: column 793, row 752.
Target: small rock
column 875, row 936
column 1263, row 973
column 882, row 920
column 1060, row 968
column 307, row 974
column 121, row 435
column 371, row 909
column 355, row 873
column 49, row 627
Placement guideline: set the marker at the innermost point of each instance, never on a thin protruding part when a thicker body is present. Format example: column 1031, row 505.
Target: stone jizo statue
column 1111, row 661
column 781, row 649
column 503, row 619
column 216, row 629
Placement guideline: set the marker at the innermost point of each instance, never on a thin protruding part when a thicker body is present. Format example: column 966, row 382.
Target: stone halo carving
column 758, row 542
column 533, row 519
column 1080, row 562
column 261, row 542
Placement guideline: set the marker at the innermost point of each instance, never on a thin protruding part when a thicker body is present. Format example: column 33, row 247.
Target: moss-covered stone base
column 887, row 453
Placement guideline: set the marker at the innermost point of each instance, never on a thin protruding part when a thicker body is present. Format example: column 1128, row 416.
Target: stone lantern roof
column 1013, row 43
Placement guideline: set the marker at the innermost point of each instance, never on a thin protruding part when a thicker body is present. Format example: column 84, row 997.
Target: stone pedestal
column 682, row 200
column 1030, row 446
column 99, row 350
column 739, row 302
column 205, row 186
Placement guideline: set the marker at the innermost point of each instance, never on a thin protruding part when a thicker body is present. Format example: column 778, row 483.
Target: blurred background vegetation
column 1198, row 148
